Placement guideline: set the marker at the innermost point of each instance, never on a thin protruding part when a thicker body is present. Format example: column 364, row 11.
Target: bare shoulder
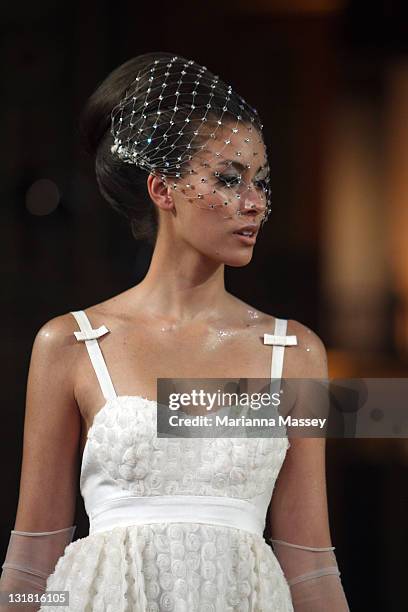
column 55, row 346
column 306, row 360
column 57, row 333
column 310, row 358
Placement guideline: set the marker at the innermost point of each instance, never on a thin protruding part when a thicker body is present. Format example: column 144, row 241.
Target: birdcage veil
column 176, row 111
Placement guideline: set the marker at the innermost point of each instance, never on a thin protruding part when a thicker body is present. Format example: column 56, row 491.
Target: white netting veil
column 180, row 122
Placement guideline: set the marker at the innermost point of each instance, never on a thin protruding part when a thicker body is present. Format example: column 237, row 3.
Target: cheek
column 203, row 227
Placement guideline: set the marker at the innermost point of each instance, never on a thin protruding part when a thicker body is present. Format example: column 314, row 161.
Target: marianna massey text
column 242, row 421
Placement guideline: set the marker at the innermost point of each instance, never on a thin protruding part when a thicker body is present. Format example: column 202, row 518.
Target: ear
column 159, row 192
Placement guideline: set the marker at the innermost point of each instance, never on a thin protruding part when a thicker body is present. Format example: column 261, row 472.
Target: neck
column 183, row 284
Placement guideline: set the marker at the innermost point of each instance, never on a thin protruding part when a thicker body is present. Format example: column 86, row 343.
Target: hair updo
column 124, row 185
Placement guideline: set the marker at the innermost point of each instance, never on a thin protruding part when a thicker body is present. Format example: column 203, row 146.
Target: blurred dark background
column 330, row 81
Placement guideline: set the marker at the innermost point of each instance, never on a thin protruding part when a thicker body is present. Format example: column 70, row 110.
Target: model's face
column 223, row 193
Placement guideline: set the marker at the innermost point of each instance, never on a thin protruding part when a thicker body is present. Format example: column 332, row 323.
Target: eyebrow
column 238, row 165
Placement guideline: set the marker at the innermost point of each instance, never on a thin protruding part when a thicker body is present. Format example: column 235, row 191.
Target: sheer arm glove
column 31, row 557
column 313, row 577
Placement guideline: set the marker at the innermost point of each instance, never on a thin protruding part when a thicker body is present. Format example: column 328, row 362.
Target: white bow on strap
column 282, row 340
column 91, row 334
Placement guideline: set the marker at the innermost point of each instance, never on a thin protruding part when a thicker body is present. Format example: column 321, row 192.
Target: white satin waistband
column 212, row 510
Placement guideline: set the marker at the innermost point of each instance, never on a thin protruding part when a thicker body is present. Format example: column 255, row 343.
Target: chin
column 237, row 260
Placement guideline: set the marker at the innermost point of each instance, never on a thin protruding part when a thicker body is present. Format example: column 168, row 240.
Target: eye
column 262, row 184
column 229, row 179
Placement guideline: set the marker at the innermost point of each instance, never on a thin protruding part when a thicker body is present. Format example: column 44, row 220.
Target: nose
column 252, row 201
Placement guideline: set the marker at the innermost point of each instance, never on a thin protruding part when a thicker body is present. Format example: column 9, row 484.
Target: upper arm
column 298, row 511
column 52, row 426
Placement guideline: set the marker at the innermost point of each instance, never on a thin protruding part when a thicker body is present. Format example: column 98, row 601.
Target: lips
column 247, row 230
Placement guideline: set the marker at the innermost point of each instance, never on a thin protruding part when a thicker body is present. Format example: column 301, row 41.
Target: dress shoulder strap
column 279, row 340
column 90, row 336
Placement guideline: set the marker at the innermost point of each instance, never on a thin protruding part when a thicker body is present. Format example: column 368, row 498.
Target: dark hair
column 122, row 184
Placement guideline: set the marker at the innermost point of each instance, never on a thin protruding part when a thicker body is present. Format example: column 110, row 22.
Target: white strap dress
column 176, row 524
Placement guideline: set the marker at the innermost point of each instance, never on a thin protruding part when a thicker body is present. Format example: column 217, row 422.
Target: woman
column 174, row 524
